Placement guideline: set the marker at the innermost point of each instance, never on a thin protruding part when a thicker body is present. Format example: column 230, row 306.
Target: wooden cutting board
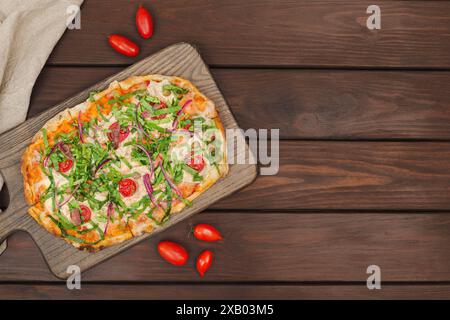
column 181, row 60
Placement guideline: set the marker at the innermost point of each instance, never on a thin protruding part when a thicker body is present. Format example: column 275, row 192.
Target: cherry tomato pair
column 144, row 24
column 178, row 256
column 175, row 254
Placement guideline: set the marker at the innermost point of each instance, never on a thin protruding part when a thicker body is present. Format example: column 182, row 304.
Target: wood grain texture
column 352, row 175
column 329, row 33
column 335, row 207
column 305, row 104
column 224, row 292
column 3, row 246
column 181, row 59
column 277, row 247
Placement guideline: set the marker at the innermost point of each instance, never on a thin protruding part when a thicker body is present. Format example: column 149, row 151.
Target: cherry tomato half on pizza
column 127, row 187
column 65, row 165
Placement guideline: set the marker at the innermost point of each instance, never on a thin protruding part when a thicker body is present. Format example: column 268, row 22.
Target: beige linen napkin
column 29, row 29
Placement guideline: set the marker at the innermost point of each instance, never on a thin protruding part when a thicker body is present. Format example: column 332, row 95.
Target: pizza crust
column 33, row 177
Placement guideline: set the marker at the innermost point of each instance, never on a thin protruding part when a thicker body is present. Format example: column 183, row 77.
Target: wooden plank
column 330, row 33
column 223, row 291
column 273, row 247
column 311, row 104
column 352, row 175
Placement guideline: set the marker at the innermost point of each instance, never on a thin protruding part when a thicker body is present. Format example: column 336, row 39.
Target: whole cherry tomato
column 144, row 22
column 123, row 45
column 207, row 232
column 197, row 163
column 204, row 261
column 85, row 213
column 65, row 165
column 173, row 253
column 127, row 187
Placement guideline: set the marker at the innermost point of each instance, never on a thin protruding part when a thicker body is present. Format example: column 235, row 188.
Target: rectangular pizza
column 121, row 163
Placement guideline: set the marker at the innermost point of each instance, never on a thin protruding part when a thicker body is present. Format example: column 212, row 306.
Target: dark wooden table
column 364, row 176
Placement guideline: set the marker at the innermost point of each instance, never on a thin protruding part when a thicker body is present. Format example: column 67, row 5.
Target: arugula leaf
column 175, row 89
column 128, row 164
column 151, row 126
column 164, row 120
column 99, row 111
column 64, row 222
column 78, row 240
column 152, row 99
column 166, row 110
column 178, row 174
column 120, row 98
column 92, row 94
column 100, row 231
column 145, row 104
column 45, row 138
column 101, row 218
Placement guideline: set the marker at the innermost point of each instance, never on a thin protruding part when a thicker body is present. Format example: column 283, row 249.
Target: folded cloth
column 29, row 29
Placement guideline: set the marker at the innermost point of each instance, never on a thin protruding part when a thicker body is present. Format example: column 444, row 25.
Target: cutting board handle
column 9, row 222
column 15, row 217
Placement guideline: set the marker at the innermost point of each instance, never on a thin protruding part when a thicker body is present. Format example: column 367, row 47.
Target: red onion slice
column 102, row 164
column 51, row 152
column 109, row 213
column 149, row 189
column 175, row 121
column 140, row 128
column 143, row 132
column 80, row 128
column 69, row 197
column 115, row 135
column 145, row 114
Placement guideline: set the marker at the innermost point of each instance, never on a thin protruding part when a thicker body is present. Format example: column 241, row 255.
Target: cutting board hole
column 4, row 197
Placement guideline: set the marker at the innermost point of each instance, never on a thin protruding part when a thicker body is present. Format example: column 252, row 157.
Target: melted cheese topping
column 178, row 151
